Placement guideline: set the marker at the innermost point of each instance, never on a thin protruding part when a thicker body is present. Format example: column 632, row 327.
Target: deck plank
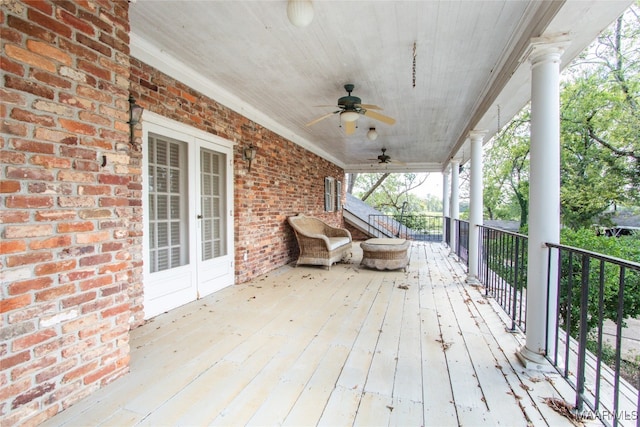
column 311, row 403
column 504, row 407
column 408, row 381
column 374, row 410
column 406, row 412
column 324, row 328
column 383, row 366
column 301, row 327
column 467, row 391
column 356, row 369
column 439, row 407
column 342, row 407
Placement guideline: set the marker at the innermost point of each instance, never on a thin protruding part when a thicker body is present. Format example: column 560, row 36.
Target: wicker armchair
column 320, row 243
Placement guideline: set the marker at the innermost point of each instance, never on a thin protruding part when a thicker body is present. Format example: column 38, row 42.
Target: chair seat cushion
column 383, row 241
column 336, row 242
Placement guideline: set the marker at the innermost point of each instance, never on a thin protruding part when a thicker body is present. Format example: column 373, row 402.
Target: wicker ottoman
column 385, row 254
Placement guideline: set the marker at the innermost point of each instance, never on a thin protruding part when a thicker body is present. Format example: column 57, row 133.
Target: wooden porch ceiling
column 349, row 346
column 440, row 68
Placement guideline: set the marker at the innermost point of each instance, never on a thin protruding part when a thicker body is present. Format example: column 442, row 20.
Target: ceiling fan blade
column 374, row 115
column 313, row 122
column 350, row 127
column 370, row 107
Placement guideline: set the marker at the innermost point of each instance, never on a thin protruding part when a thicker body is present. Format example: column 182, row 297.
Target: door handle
column 199, row 216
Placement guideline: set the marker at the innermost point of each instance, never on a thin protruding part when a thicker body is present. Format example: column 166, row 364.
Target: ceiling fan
column 350, row 107
column 383, row 158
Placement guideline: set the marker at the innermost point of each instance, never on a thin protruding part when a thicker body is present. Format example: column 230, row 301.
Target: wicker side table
column 385, row 254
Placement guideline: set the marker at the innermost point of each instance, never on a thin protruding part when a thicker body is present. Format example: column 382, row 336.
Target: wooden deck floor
column 349, row 346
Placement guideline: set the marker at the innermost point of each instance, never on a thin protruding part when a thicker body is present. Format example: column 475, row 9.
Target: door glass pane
column 163, row 234
column 161, row 206
column 212, row 204
column 174, row 152
column 168, row 198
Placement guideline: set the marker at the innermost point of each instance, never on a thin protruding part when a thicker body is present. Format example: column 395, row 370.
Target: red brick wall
column 356, row 234
column 285, row 179
column 68, row 259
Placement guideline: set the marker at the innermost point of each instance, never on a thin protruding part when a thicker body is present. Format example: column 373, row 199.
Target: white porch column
column 544, row 192
column 455, row 204
column 476, row 204
column 445, row 202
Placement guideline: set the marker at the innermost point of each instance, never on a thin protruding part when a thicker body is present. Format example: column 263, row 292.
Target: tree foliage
column 390, row 195
column 600, row 135
column 600, row 121
column 506, row 172
column 624, row 247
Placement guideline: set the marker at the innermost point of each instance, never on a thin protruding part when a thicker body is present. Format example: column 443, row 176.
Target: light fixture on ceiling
column 135, row 113
column 372, row 134
column 349, row 116
column 249, row 154
column 300, row 12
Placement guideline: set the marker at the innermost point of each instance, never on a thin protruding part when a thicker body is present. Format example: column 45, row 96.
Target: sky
column 433, row 186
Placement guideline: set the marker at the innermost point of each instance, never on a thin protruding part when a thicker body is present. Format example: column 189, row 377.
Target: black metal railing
column 410, row 227
column 447, row 230
column 462, row 240
column 503, row 271
column 590, row 296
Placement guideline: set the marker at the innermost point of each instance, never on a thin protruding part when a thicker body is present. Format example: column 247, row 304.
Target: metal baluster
column 546, row 338
column 567, row 338
column 619, row 321
column 600, row 327
column 521, row 281
column 503, row 289
column 515, row 286
column 558, row 284
column 582, row 342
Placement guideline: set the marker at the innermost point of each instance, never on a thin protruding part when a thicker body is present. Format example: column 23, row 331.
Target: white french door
column 188, row 217
column 214, row 262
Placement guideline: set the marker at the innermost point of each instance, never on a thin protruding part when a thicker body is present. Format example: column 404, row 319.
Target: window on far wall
column 338, row 195
column 329, row 194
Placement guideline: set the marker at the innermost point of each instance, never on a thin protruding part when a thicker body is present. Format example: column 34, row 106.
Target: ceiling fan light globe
column 348, row 116
column 300, row 12
column 372, row 134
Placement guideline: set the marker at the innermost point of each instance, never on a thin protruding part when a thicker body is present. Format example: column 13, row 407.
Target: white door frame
column 184, row 279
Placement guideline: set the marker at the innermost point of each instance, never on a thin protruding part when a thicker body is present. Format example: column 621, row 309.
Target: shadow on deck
column 349, row 346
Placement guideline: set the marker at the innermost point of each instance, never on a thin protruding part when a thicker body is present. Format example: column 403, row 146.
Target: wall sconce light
column 300, row 12
column 249, row 154
column 135, row 113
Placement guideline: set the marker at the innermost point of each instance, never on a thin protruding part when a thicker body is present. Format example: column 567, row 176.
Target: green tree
column 601, row 125
column 506, row 172
column 625, row 247
column 600, row 135
column 389, row 195
column 433, row 204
